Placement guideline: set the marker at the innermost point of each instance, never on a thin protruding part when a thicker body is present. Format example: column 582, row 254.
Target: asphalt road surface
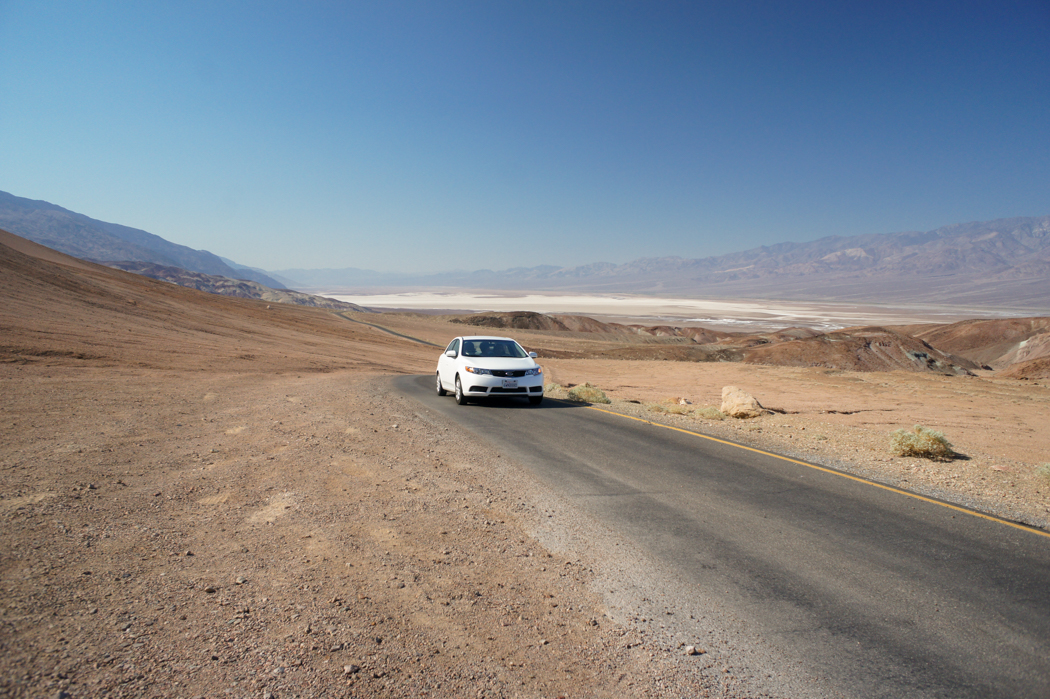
column 880, row 593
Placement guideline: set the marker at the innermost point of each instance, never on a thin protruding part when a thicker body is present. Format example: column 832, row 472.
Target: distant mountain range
column 90, row 239
column 995, row 263
column 1002, row 263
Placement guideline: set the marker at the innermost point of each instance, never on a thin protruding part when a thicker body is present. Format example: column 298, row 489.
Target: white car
column 480, row 366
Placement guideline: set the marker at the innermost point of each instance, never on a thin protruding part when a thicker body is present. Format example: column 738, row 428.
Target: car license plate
column 510, row 383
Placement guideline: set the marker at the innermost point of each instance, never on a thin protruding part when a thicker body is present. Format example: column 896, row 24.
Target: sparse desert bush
column 586, row 393
column 922, row 442
column 554, row 390
column 1043, row 471
column 709, row 413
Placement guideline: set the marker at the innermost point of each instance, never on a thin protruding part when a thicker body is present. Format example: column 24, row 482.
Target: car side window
column 454, row 346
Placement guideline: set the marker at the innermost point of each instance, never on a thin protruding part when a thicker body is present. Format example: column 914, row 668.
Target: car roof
column 486, row 337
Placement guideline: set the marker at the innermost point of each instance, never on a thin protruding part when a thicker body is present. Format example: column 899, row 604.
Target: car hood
column 504, row 363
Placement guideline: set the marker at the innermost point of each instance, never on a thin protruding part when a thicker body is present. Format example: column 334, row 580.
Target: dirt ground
column 213, row 497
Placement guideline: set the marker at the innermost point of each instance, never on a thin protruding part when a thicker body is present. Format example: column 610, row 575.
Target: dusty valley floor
column 208, row 497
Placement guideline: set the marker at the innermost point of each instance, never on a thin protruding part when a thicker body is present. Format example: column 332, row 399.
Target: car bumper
column 476, row 386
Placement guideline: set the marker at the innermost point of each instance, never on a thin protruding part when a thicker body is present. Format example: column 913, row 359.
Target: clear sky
column 463, row 135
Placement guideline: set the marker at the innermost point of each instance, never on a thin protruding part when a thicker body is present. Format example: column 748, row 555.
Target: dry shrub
column 554, row 390
column 709, row 413
column 586, row 393
column 923, row 443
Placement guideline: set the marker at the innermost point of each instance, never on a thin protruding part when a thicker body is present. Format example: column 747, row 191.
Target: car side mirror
column 533, row 355
column 451, row 353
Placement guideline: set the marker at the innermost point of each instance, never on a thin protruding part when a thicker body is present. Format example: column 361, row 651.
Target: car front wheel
column 460, row 398
column 441, row 389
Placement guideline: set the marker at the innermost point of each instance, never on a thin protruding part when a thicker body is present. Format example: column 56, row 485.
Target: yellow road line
column 1015, row 525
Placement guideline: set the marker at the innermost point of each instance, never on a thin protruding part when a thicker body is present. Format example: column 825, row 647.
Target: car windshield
column 493, row 348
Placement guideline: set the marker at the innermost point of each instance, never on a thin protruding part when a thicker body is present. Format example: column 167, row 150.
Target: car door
column 447, row 365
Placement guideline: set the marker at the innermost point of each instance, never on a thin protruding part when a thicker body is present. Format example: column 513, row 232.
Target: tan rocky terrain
column 860, row 349
column 996, row 344
column 205, row 495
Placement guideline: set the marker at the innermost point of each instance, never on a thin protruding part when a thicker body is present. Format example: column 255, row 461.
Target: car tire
column 535, row 400
column 440, row 389
column 461, row 398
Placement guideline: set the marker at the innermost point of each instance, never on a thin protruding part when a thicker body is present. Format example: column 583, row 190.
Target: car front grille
column 517, row 373
column 500, row 389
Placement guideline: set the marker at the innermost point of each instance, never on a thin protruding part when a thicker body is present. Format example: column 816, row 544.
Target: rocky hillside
column 1014, row 346
column 861, row 349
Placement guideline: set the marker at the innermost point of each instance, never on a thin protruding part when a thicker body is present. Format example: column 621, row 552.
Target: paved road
column 885, row 594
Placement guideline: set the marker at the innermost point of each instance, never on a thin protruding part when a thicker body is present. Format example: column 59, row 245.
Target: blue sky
column 465, row 135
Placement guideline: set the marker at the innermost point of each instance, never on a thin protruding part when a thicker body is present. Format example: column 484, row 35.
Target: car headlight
column 476, row 370
column 534, row 372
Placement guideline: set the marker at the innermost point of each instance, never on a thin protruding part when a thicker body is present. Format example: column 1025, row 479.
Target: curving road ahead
column 881, row 593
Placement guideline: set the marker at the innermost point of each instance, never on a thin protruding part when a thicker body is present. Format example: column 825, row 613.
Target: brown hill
column 1030, row 370
column 59, row 307
column 521, row 320
column 1035, row 347
column 993, row 343
column 529, row 320
column 42, row 252
column 860, row 349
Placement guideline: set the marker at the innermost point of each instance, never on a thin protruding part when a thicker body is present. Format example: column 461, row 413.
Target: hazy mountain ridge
column 87, row 238
column 992, row 248
column 1002, row 262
